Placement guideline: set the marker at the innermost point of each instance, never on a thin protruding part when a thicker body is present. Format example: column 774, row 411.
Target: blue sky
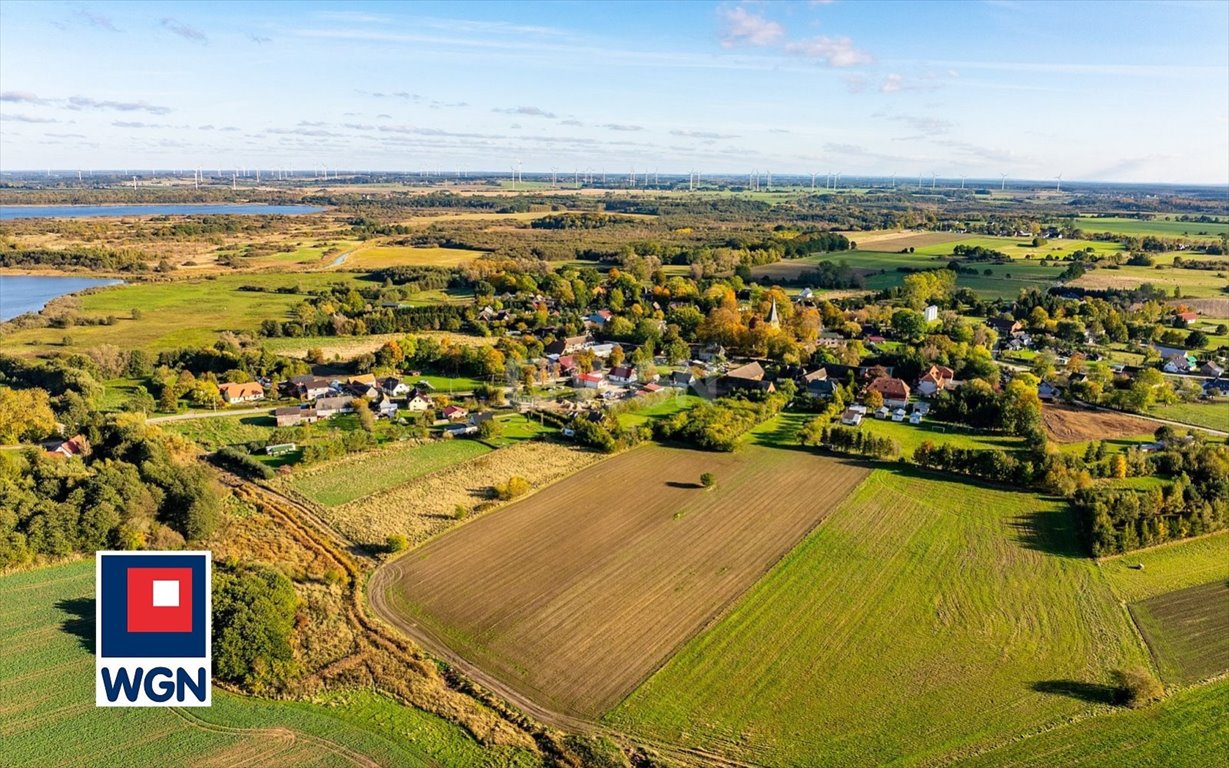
column 1133, row 91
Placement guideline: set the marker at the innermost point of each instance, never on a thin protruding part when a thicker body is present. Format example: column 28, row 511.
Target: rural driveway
column 207, row 415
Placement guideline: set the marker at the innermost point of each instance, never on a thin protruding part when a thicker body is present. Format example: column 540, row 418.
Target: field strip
column 197, row 721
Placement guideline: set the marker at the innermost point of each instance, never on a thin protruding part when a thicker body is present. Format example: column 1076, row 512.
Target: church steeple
column 774, row 319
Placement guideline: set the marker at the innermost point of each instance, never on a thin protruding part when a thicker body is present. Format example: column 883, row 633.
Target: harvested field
column 895, row 240
column 577, row 594
column 1064, row 424
column 1218, row 307
column 1188, row 631
column 350, row 347
column 423, row 507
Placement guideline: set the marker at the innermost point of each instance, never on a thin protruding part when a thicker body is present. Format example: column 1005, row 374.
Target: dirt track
column 574, row 596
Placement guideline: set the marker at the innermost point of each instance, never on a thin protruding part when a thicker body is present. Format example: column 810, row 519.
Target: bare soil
column 1074, row 425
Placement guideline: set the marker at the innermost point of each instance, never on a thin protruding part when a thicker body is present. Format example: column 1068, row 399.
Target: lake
column 20, row 294
column 84, row 211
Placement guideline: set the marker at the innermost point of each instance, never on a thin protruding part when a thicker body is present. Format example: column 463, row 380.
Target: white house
column 241, row 393
column 417, row 403
column 898, row 414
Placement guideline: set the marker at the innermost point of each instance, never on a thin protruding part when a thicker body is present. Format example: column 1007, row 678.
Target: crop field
column 350, row 347
column 49, row 718
column 358, row 475
column 379, row 256
column 1211, row 415
column 578, row 593
column 1162, row 227
column 427, row 505
column 1022, row 248
column 1169, row 567
column 1187, row 729
column 1187, row 630
column 186, row 313
column 922, row 619
column 1192, row 283
column 1064, row 424
column 895, row 240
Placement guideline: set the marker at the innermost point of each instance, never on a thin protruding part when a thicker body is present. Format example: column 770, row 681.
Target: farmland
column 353, row 477
column 1210, row 415
column 1064, row 424
column 1187, row 729
column 380, row 256
column 929, row 618
column 427, row 505
column 1159, row 227
column 632, row 554
column 1168, row 567
column 46, row 684
column 910, row 436
column 216, row 431
column 1187, row 630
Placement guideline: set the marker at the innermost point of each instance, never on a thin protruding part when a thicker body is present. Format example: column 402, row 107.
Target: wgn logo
column 153, row 629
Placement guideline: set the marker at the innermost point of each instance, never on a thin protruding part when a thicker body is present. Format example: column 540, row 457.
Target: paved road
column 208, row 414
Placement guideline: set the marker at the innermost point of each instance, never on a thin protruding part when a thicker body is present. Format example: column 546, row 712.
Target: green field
column 923, row 619
column 667, row 407
column 1187, row 630
column 1210, row 415
column 1168, row 567
column 47, row 690
column 910, row 436
column 185, row 313
column 361, row 475
column 380, row 256
column 1161, row 227
column 515, row 428
column 1188, row 729
column 214, row 432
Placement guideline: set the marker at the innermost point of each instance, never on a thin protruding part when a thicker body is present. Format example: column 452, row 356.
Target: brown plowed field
column 1075, row 425
column 1188, row 631
column 578, row 593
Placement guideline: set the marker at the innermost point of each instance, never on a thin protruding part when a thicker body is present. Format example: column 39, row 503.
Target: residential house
column 593, row 380
column 830, row 340
column 622, row 374
column 935, row 379
column 1005, row 326
column 241, row 393
column 682, row 379
column 567, row 365
column 454, row 413
column 895, row 392
column 744, row 378
column 393, row 386
column 331, row 406
column 417, row 402
column 1186, row 317
column 72, row 448
column 567, row 345
column 600, row 318
column 882, row 412
column 921, row 408
column 915, row 418
column 824, row 388
column 898, row 414
column 310, row 387
column 385, row 408
column 475, row 419
column 1178, row 364
column 1047, row 392
column 1211, row 369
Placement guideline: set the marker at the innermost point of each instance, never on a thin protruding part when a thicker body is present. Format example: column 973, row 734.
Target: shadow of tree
column 677, row 484
column 80, row 620
column 1052, row 531
column 1093, row 693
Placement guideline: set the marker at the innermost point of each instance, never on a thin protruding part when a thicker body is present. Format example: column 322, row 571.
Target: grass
column 923, row 618
column 1187, row 729
column 667, row 407
column 1192, row 283
column 216, row 431
column 1162, row 227
column 1187, row 630
column 184, row 313
column 357, row 476
column 379, row 256
column 517, row 428
column 1210, row 415
column 910, row 436
column 1168, row 567
column 47, row 686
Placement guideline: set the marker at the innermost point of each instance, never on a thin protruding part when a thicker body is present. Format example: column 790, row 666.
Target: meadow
column 1187, row 729
column 1169, row 567
column 1211, row 415
column 922, row 620
column 358, row 475
column 182, row 313
column 910, row 436
column 47, row 689
column 1159, row 227
column 631, row 556
column 1187, row 630
column 214, row 432
column 380, row 256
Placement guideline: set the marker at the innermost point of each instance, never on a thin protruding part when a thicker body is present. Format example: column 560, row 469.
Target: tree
column 397, row 543
column 516, row 486
column 366, row 419
column 25, row 415
column 253, row 618
column 708, row 480
column 873, row 399
column 909, row 324
column 1197, row 340
column 1137, row 687
column 490, row 428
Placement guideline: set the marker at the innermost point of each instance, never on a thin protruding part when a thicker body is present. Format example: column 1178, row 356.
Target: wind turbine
column 1058, row 187
column 933, row 176
column 962, row 182
column 1003, row 183
column 893, row 181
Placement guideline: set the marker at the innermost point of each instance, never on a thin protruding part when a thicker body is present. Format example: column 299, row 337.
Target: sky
column 1099, row 91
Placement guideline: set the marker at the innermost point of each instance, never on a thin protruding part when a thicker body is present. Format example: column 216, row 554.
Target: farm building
column 567, row 345
column 310, row 387
column 74, row 447
column 331, row 406
column 280, row 449
column 590, row 380
column 622, row 374
column 241, row 393
column 293, row 417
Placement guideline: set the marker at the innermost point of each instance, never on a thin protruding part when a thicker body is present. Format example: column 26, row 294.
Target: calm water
column 20, row 294
column 83, row 211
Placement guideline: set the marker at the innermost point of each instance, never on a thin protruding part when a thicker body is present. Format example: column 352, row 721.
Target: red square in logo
column 159, row 599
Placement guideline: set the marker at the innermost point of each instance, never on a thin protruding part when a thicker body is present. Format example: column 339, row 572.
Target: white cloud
column 745, row 28
column 833, row 51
